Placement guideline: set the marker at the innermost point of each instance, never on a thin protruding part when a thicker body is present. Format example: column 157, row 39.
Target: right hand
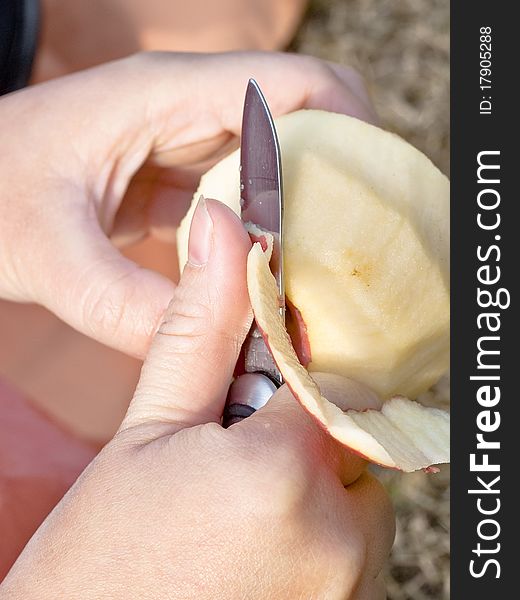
column 177, row 507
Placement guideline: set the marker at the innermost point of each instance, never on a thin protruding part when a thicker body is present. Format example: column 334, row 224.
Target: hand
column 177, row 507
column 71, row 176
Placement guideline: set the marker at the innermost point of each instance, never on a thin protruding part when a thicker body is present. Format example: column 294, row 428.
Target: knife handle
column 247, row 394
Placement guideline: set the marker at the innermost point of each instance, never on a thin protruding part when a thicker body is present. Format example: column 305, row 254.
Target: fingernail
column 201, row 235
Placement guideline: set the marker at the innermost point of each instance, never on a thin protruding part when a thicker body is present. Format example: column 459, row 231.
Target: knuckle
column 193, row 324
column 191, row 318
column 105, row 311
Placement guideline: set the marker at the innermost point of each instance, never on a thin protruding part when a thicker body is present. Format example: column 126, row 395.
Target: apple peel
column 402, row 435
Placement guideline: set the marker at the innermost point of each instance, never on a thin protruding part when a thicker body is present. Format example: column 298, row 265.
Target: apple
column 366, row 268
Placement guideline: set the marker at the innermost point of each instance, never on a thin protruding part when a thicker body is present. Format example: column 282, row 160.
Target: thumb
column 186, row 375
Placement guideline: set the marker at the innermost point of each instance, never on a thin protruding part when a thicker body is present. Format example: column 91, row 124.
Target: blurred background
column 402, row 49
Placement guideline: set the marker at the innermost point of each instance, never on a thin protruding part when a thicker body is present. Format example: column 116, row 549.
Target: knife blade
column 261, row 200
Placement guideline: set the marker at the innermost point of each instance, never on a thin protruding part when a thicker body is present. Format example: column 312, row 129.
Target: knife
column 261, row 201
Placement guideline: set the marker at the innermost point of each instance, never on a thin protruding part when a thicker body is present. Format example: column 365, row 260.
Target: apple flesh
column 366, row 249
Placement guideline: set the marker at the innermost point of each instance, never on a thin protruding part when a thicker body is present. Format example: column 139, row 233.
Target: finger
column 306, row 83
column 369, row 510
column 312, row 83
column 98, row 291
column 284, row 419
column 357, row 86
column 155, row 203
column 187, row 372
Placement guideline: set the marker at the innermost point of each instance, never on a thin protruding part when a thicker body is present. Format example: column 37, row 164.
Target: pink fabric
column 39, row 461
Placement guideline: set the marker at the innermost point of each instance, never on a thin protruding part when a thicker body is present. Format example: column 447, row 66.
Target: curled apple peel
column 403, row 435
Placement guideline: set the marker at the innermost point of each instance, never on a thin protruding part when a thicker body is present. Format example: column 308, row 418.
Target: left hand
column 116, row 152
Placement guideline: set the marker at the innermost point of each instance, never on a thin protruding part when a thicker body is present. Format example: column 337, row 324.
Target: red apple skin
column 39, row 461
column 297, row 330
column 261, row 239
column 431, row 469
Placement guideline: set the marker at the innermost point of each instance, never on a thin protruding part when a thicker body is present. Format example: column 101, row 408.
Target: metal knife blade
column 261, row 200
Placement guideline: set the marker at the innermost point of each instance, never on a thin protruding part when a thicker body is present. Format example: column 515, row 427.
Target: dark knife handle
column 247, row 394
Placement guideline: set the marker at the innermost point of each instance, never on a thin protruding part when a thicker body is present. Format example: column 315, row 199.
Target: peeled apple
column 366, row 267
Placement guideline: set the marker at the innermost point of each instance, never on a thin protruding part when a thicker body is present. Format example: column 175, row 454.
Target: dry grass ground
column 402, row 48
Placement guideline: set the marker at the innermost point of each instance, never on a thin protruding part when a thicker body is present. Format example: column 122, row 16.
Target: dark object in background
column 19, row 21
